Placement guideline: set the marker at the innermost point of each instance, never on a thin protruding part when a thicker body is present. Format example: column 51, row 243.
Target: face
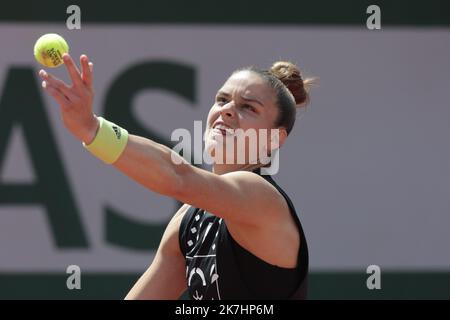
column 243, row 106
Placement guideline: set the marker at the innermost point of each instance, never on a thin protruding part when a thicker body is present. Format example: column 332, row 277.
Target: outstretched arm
column 236, row 196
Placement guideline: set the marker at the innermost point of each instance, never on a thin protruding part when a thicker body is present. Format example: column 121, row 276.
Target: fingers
column 86, row 69
column 55, row 93
column 91, row 66
column 57, row 83
column 74, row 73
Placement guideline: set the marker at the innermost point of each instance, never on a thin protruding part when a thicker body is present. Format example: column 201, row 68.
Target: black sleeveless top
column 217, row 267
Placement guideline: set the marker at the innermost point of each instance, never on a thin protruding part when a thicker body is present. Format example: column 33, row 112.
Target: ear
column 277, row 138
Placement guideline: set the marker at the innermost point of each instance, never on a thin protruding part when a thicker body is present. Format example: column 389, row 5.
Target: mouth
column 223, row 129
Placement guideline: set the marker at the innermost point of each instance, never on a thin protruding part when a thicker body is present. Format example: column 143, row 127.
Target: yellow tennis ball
column 49, row 48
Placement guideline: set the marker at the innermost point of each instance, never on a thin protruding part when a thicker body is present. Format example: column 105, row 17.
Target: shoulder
column 264, row 187
column 254, row 184
column 235, row 196
column 262, row 198
column 170, row 242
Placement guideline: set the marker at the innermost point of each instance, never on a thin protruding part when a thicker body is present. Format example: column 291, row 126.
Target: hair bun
column 290, row 75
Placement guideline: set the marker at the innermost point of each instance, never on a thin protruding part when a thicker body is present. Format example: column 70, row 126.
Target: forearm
column 150, row 164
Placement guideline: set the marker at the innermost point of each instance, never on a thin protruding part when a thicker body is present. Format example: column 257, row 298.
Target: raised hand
column 75, row 100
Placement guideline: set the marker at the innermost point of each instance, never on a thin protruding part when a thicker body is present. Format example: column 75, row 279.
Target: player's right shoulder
column 170, row 239
column 182, row 211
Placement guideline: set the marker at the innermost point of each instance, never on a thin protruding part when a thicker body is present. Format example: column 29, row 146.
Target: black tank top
column 217, row 267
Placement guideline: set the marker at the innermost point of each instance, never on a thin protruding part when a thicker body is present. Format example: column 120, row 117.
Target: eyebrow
column 221, row 93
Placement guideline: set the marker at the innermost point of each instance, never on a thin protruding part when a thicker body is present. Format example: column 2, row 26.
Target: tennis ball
column 49, row 48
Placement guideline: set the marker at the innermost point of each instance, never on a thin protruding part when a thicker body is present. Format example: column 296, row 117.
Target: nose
column 228, row 110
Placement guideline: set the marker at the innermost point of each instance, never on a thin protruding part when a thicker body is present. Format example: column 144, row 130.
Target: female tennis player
column 237, row 236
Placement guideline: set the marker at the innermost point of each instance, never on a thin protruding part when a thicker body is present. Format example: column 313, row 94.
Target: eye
column 221, row 101
column 249, row 107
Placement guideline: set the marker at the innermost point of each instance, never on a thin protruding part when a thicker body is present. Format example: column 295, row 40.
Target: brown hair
column 291, row 88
